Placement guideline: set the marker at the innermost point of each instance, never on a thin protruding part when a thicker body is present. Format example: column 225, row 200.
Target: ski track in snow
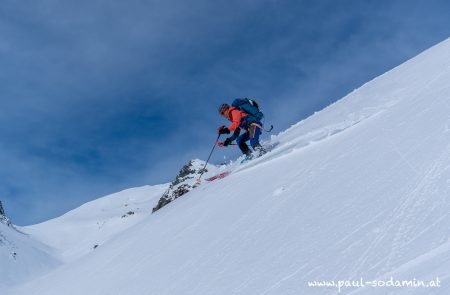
column 311, row 138
column 413, row 206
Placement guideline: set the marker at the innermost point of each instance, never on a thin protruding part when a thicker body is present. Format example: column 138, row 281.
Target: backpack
column 248, row 106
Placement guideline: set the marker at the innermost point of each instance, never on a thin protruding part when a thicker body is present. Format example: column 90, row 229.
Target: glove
column 224, row 130
column 227, row 142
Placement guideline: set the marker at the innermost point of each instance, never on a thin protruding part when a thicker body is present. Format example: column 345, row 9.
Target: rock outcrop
column 184, row 182
column 3, row 218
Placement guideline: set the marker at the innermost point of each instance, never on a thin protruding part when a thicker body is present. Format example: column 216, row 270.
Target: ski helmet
column 223, row 107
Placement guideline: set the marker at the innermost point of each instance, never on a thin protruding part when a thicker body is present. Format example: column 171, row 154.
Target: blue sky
column 99, row 96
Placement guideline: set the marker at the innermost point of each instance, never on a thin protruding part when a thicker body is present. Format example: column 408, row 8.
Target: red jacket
column 235, row 116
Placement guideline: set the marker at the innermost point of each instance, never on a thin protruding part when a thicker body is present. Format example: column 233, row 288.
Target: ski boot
column 248, row 157
column 258, row 150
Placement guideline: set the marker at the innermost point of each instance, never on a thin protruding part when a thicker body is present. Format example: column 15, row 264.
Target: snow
column 357, row 191
column 86, row 228
column 21, row 257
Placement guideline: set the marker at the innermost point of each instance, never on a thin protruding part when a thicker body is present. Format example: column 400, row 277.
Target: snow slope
column 358, row 191
column 84, row 229
column 21, row 257
column 30, row 252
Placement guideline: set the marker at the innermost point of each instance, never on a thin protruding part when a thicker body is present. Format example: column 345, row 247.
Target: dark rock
column 184, row 182
column 128, row 213
column 3, row 218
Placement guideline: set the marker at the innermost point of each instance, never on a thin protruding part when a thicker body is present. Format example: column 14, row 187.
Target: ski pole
column 262, row 127
column 203, row 169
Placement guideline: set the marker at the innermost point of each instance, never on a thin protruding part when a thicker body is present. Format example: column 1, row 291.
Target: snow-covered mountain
column 87, row 228
column 359, row 191
column 30, row 252
column 21, row 257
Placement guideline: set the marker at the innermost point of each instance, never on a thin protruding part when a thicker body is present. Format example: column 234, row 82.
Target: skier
column 248, row 121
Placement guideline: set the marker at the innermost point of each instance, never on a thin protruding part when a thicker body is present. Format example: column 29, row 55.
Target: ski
column 218, row 176
column 255, row 155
